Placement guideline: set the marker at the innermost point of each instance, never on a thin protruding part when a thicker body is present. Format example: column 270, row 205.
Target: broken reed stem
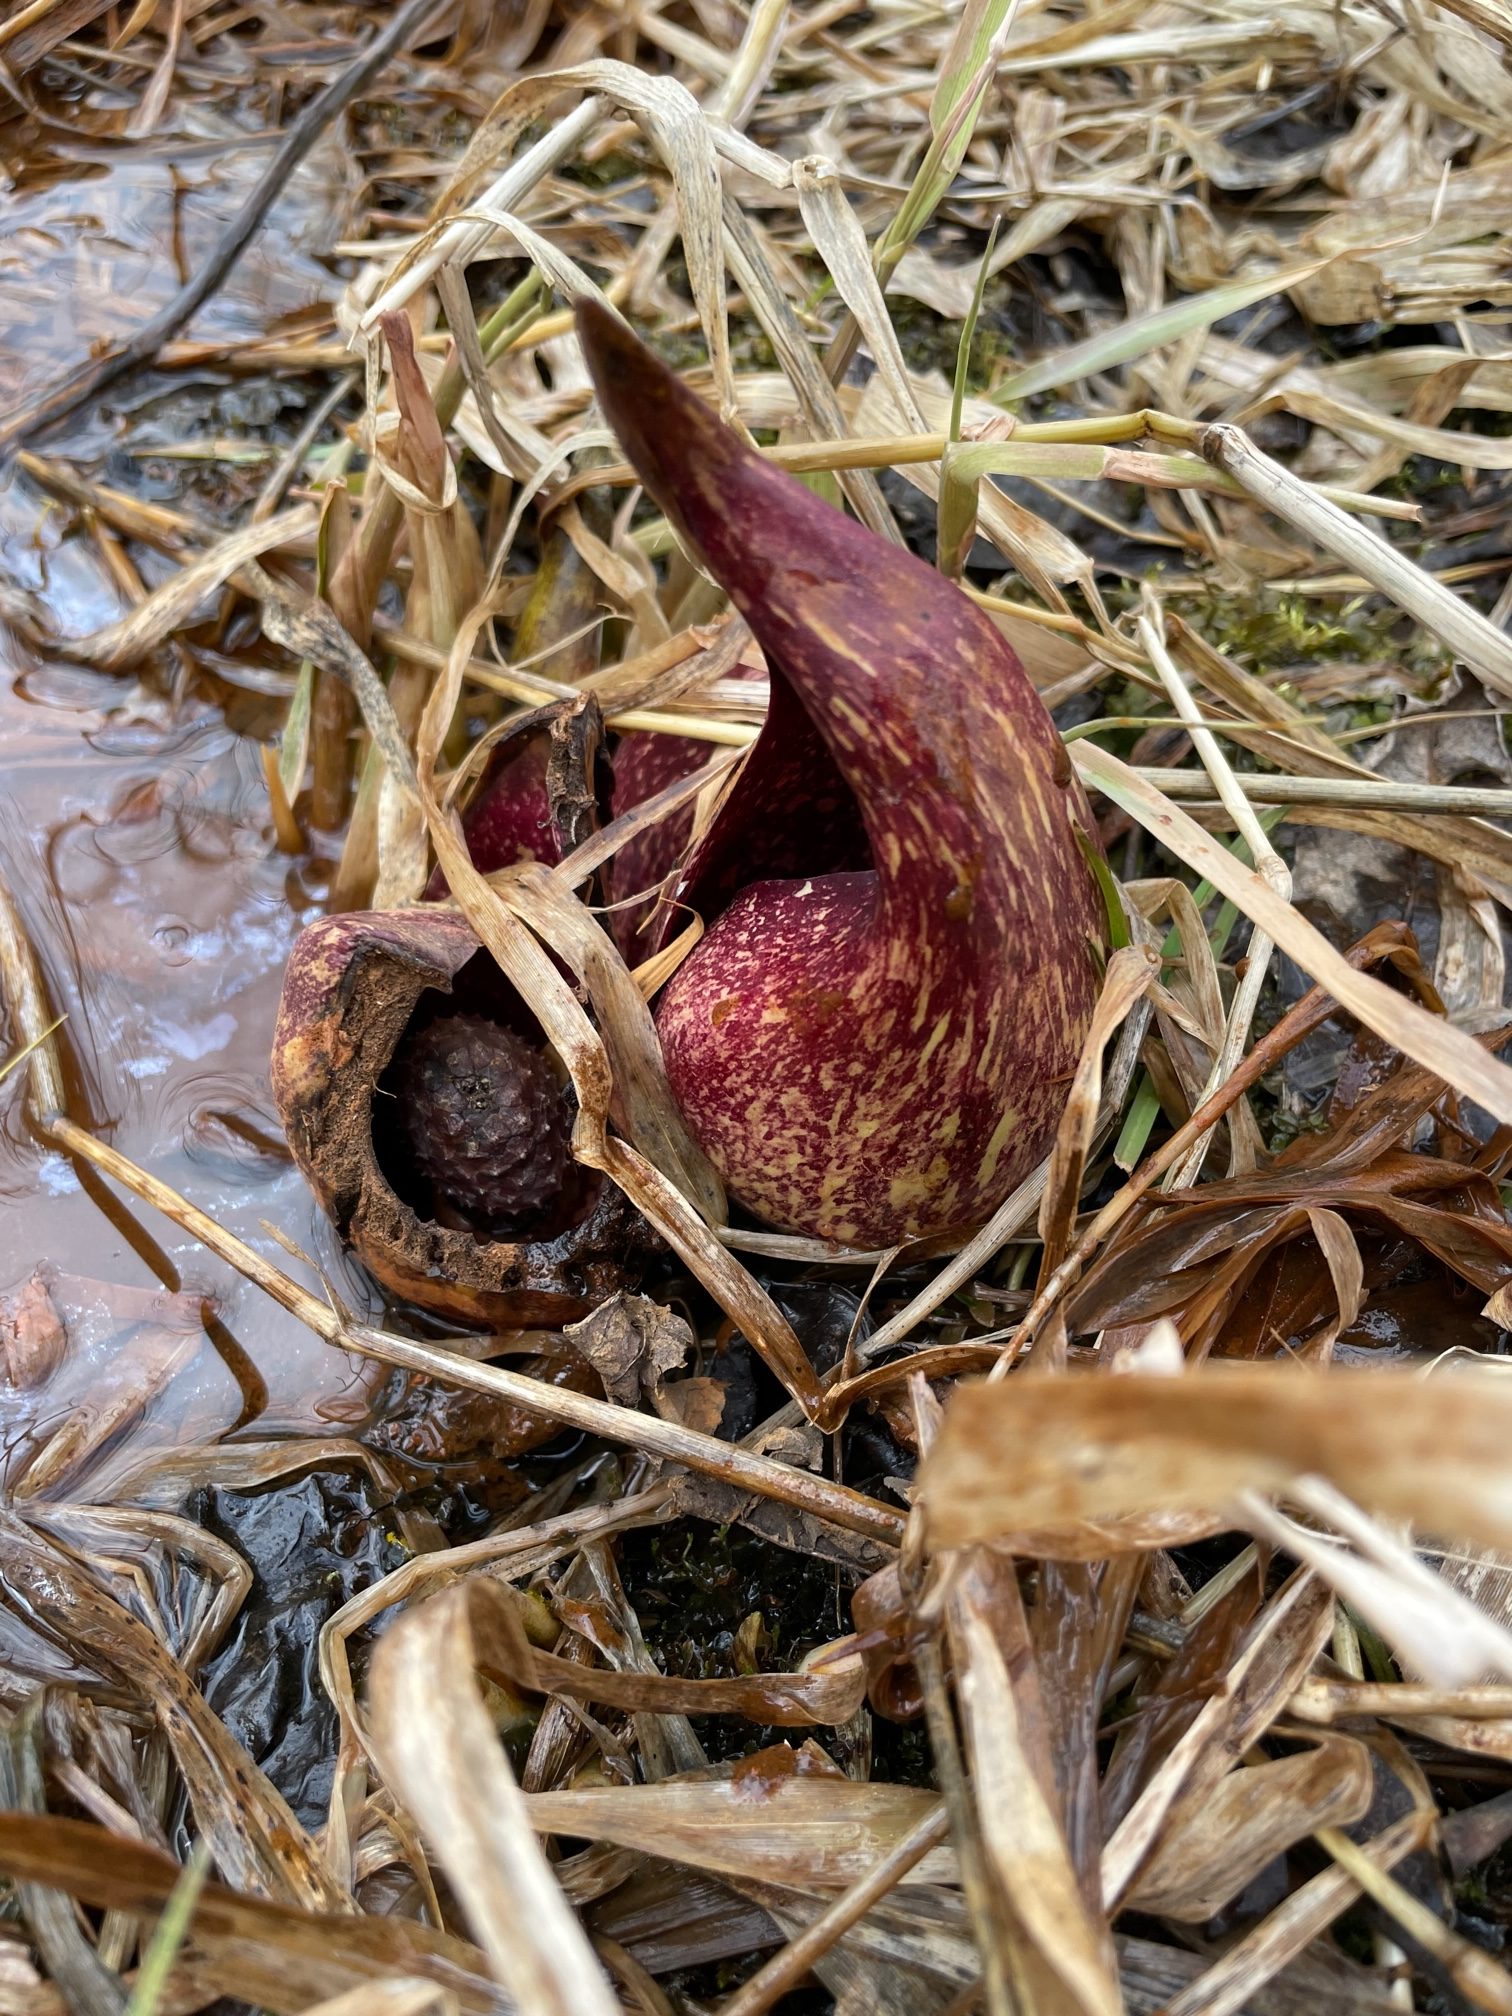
column 1345, row 793
column 1316, row 1005
column 647, row 1433
column 33, row 1021
column 1336, row 1700
column 1467, row 633
column 1267, row 862
column 786, row 1970
column 1472, row 1971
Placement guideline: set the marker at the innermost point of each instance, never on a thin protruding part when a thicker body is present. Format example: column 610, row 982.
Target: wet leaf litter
column 497, row 1456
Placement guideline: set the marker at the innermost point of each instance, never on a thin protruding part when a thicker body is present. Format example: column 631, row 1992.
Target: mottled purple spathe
column 877, row 1055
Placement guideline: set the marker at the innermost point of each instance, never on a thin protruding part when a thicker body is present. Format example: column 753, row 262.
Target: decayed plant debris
column 1078, row 1584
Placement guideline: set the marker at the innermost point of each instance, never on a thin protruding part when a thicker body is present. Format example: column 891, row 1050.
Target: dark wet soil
column 310, row 1545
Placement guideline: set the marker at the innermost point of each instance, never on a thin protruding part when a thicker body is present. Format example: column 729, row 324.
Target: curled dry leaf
column 33, row 1339
column 1039, row 1456
column 828, row 1689
column 633, row 1343
column 1254, row 1814
column 1131, row 972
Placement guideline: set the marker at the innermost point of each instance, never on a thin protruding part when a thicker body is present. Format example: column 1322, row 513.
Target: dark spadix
column 872, row 1040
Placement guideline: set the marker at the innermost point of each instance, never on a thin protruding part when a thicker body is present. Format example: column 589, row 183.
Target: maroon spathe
column 880, row 1053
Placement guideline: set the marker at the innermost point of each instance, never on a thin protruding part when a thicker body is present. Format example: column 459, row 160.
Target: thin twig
column 646, row 1432
column 1364, row 794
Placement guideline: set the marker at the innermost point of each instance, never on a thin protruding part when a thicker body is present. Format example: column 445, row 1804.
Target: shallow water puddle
column 134, row 833
column 138, row 853
column 94, row 240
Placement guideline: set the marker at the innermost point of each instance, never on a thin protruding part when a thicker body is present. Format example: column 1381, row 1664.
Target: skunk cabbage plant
column 873, row 1038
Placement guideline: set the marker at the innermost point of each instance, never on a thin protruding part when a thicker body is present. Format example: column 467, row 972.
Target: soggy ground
column 137, row 839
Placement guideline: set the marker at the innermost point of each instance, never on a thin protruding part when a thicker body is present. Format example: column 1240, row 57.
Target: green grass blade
column 172, row 1930
column 1148, row 332
column 968, row 335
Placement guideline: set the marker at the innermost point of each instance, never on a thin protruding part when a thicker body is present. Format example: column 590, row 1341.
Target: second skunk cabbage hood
column 873, row 1039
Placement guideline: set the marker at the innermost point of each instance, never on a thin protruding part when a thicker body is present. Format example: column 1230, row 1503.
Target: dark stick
column 82, row 384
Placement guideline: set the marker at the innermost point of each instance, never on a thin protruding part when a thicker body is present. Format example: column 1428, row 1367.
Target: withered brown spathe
column 353, row 988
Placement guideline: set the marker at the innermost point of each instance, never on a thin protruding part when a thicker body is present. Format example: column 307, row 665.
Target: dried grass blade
column 728, row 1463
column 314, row 631
column 439, row 1752
column 1039, row 1453
column 1230, row 1983
column 398, row 1996
column 1131, row 971
column 1268, row 864
column 272, row 1955
column 1063, row 1952
column 1471, row 636
column 1277, row 1655
column 460, row 240
column 1455, row 1056
column 168, row 608
column 31, row 1018
column 643, row 1099
column 800, row 1831
column 841, row 244
column 788, row 1968
column 1433, row 1627
column 1121, row 345
column 673, row 119
column 816, row 395
column 1474, row 1972
column 64, row 1946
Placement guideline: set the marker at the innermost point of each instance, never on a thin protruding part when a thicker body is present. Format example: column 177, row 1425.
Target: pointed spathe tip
column 688, row 459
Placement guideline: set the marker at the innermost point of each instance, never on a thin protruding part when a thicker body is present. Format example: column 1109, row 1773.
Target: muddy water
column 95, row 239
column 133, row 821
column 134, row 836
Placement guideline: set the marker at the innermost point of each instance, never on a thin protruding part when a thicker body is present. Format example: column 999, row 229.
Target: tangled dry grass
column 1213, row 1658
